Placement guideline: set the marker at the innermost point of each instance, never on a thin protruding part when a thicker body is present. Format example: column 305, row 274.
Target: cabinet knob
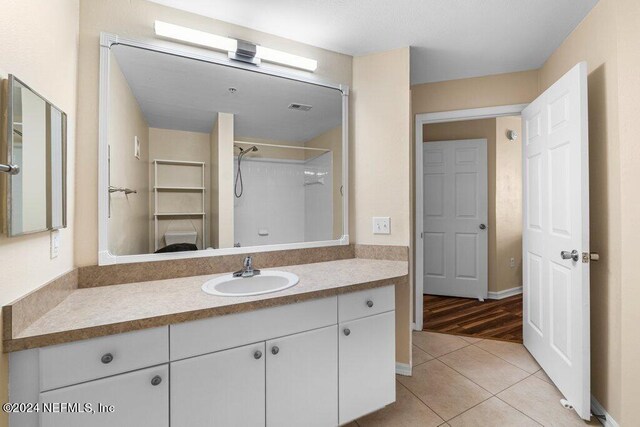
column 257, row 354
column 275, row 350
column 369, row 303
column 156, row 380
column 347, row 331
column 107, row 358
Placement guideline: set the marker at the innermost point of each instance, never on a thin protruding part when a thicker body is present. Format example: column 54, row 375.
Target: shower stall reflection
column 284, row 194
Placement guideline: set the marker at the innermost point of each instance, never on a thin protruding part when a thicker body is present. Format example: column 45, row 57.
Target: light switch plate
column 55, row 243
column 381, row 225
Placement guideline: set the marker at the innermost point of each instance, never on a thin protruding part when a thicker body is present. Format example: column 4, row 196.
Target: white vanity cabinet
column 139, row 398
column 226, row 388
column 367, row 351
column 367, row 365
column 302, row 379
column 317, row 362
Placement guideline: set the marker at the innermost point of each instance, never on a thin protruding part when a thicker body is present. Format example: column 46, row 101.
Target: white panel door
column 302, row 379
column 139, row 399
column 226, row 388
column 556, row 224
column 366, row 365
column 455, row 218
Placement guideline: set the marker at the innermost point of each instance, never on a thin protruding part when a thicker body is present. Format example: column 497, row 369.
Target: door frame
column 421, row 120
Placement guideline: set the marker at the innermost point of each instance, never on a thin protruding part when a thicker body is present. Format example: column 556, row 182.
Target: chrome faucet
column 247, row 269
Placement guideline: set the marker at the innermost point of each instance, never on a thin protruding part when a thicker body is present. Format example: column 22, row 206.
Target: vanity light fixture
column 238, row 50
column 283, row 58
column 201, row 38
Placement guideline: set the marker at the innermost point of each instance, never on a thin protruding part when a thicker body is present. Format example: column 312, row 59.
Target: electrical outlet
column 512, row 263
column 381, row 225
column 55, row 243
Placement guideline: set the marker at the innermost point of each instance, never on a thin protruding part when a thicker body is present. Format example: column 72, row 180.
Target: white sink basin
column 267, row 281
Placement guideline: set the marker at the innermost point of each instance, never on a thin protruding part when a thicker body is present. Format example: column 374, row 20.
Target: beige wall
column 380, row 147
column 129, row 214
column 134, row 18
column 40, row 46
column 508, row 204
column 332, row 140
column 166, row 144
column 489, row 91
column 379, row 164
column 627, row 19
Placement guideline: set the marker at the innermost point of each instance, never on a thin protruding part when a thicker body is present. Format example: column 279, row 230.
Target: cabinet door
column 367, row 365
column 139, row 399
column 219, row 389
column 302, row 379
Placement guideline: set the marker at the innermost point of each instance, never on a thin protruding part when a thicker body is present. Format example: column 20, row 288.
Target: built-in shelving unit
column 164, row 188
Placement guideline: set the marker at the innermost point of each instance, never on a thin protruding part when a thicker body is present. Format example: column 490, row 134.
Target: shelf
column 179, row 214
column 167, row 188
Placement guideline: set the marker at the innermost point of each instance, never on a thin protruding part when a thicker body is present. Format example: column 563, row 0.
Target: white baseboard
column 597, row 408
column 403, row 369
column 505, row 294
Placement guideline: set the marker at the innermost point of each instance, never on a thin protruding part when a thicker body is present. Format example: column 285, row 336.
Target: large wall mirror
column 33, row 161
column 209, row 156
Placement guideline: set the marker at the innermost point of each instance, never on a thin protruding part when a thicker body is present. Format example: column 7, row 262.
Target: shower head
column 247, row 150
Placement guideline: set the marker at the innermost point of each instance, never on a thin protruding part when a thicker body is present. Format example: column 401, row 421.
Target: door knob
column 483, row 227
column 574, row 255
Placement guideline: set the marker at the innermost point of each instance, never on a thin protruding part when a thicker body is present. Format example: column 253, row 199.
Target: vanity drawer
column 73, row 363
column 234, row 330
column 366, row 303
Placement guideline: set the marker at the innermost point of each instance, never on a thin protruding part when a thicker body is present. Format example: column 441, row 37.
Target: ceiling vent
column 299, row 107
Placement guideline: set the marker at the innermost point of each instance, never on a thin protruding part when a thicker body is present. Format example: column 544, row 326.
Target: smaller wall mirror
column 34, row 161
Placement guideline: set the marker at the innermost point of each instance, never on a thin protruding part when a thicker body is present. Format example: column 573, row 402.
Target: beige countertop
column 105, row 310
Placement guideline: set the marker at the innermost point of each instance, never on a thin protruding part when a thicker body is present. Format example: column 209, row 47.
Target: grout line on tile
column 510, row 363
column 526, row 415
column 466, row 410
column 454, row 369
column 437, row 357
column 422, row 363
column 422, row 401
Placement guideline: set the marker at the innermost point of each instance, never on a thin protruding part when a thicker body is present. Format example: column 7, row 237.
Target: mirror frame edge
column 7, row 150
column 105, row 257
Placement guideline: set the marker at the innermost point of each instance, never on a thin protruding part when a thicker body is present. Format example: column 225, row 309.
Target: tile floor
column 461, row 381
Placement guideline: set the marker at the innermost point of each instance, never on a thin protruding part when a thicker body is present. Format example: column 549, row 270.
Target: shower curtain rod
column 282, row 146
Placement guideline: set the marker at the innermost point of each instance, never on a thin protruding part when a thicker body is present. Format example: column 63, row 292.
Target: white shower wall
column 277, row 207
column 318, row 200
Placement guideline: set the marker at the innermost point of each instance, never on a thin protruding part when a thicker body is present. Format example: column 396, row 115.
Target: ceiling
column 450, row 39
column 184, row 94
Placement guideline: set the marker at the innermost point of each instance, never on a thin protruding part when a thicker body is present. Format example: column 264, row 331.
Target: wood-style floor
column 496, row 319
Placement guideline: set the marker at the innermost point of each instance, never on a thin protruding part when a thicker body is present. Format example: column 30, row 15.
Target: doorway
column 555, row 229
column 472, row 224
